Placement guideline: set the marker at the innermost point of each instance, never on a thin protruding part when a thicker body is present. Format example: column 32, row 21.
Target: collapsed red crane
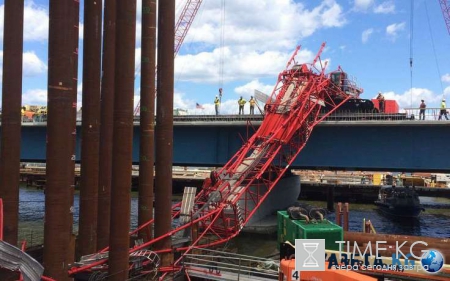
column 229, row 199
column 182, row 26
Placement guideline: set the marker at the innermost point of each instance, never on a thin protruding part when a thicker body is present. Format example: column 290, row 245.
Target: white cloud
column 35, row 22
column 412, row 98
column 32, row 65
column 366, row 34
column 137, row 63
column 393, row 29
column 1, row 66
column 35, row 97
column 274, row 23
column 447, row 92
column 245, row 65
column 249, row 52
column 362, row 5
column 248, row 89
column 387, row 7
column 446, row 78
column 81, row 31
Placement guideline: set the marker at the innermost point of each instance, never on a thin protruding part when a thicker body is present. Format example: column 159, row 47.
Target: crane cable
column 411, row 41
column 222, row 51
column 434, row 49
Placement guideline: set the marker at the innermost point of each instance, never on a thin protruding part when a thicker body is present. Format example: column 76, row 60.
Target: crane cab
column 347, row 85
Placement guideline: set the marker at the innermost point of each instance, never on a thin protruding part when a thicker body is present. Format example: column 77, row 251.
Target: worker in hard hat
column 380, row 99
column 252, row 105
column 422, row 107
column 217, row 104
column 241, row 103
column 443, row 110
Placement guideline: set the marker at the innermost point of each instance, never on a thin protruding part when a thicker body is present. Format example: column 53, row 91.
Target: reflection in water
column 430, row 223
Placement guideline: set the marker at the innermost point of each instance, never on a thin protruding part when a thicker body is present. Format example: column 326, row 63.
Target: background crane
column 182, row 26
column 445, row 7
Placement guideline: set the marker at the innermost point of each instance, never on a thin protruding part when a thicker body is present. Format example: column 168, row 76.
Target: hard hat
column 443, row 99
column 216, row 96
column 379, row 93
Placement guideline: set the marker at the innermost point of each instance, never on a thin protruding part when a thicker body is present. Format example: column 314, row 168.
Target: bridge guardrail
column 431, row 114
column 209, row 262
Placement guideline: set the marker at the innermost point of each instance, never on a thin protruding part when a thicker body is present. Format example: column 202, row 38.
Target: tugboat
column 400, row 202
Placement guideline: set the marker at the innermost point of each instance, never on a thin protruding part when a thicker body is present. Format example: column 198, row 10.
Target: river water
column 434, row 222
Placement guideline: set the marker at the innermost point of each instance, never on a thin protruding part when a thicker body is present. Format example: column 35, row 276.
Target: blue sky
column 370, row 39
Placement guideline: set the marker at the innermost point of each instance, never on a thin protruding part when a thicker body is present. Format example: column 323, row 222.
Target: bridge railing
column 431, row 114
column 204, row 262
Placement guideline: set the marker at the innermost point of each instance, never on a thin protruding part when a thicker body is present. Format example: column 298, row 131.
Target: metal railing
column 207, row 262
column 431, row 114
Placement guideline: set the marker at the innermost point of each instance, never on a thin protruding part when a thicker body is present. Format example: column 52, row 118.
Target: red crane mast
column 445, row 7
column 182, row 26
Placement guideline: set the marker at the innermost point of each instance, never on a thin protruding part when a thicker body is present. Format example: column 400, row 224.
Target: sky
column 241, row 46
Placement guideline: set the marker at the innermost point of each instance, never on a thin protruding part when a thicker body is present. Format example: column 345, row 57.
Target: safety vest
column 443, row 105
column 241, row 101
column 252, row 102
column 217, row 101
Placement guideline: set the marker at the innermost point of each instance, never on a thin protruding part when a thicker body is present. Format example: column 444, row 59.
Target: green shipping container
column 320, row 230
column 289, row 230
column 282, row 220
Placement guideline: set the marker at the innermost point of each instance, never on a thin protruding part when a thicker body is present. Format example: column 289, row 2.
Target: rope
column 411, row 49
column 434, row 49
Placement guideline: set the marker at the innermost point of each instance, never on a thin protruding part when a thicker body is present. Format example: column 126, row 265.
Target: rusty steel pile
column 107, row 129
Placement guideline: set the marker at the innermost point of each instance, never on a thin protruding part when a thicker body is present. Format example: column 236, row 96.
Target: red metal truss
column 445, row 7
column 182, row 26
column 184, row 22
column 229, row 199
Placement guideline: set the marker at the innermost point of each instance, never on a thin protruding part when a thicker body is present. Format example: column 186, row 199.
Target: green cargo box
column 289, row 230
column 282, row 220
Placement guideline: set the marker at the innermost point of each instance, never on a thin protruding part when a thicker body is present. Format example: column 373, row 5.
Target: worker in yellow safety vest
column 241, row 103
column 217, row 104
column 443, row 110
column 252, row 105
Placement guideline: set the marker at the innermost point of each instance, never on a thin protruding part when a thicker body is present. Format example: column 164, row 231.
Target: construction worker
column 380, row 99
column 241, row 103
column 252, row 105
column 422, row 110
column 443, row 110
column 217, row 104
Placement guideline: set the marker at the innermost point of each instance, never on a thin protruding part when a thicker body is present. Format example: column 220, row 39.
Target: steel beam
column 90, row 132
column 62, row 57
column 11, row 118
column 106, row 128
column 164, row 126
column 147, row 117
column 123, row 139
